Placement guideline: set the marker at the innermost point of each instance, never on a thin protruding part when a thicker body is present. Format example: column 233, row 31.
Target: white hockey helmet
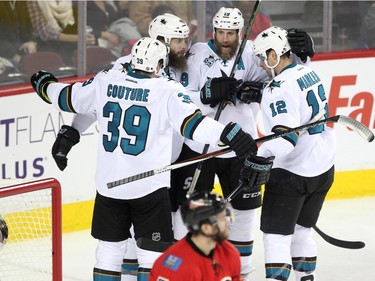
column 147, row 53
column 228, row 18
column 274, row 38
column 168, row 26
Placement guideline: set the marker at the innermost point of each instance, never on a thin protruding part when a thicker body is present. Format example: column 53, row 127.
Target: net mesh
column 27, row 253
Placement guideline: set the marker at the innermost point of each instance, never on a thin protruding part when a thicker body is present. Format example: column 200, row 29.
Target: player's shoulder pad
column 196, row 48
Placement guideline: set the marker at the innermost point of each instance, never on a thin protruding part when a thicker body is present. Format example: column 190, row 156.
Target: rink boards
column 28, row 128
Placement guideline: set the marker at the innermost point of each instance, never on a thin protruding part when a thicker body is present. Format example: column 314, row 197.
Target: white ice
column 346, row 219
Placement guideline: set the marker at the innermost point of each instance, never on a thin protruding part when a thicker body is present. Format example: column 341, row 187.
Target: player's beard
column 228, row 54
column 177, row 61
column 221, row 235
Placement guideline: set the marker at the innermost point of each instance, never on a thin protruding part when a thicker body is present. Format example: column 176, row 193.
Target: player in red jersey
column 204, row 253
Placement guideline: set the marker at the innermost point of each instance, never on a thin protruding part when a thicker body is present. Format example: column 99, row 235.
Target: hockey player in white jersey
column 174, row 33
column 303, row 168
column 206, row 79
column 137, row 112
column 206, row 62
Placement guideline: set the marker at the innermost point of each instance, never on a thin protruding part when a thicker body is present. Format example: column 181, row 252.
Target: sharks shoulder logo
column 275, row 84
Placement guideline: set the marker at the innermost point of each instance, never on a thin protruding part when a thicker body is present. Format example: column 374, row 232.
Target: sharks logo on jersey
column 274, row 84
column 185, row 98
column 188, row 54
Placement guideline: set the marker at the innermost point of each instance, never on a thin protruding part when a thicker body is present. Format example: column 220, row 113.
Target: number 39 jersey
column 137, row 116
column 292, row 99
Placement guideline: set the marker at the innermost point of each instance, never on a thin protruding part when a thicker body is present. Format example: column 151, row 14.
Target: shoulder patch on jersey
column 188, row 54
column 275, row 84
column 185, row 98
column 172, row 262
column 162, row 279
column 170, row 79
column 209, row 61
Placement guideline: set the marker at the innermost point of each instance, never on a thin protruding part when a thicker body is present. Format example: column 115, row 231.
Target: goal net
column 32, row 212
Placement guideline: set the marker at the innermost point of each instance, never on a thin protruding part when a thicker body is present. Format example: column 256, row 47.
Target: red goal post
column 33, row 250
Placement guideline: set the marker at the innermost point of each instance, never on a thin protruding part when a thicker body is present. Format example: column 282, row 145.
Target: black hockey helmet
column 202, row 207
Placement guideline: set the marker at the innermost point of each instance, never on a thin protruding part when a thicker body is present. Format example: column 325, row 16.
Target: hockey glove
column 256, row 171
column 218, row 89
column 40, row 81
column 301, row 43
column 250, row 91
column 239, row 141
column 66, row 139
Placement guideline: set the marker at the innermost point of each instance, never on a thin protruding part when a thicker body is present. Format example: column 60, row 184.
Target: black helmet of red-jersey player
column 202, row 208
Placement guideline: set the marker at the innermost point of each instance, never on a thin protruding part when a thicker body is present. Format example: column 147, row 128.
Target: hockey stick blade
column 340, row 243
column 351, row 123
column 356, row 126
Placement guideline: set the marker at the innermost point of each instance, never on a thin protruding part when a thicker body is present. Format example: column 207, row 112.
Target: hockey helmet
column 147, row 53
column 274, row 38
column 228, row 18
column 202, row 207
column 168, row 26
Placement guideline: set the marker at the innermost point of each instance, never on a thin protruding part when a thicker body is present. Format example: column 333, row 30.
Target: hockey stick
column 167, row 168
column 340, row 243
column 222, row 103
column 192, row 160
column 351, row 123
column 331, row 240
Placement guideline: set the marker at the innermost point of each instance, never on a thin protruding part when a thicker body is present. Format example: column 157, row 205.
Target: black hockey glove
column 40, row 81
column 218, row 89
column 250, row 91
column 301, row 43
column 66, row 138
column 256, row 171
column 239, row 141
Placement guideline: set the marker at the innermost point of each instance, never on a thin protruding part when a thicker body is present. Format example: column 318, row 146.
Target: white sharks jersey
column 204, row 63
column 292, row 99
column 136, row 116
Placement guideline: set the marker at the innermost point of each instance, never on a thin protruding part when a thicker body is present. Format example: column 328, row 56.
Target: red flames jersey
column 185, row 262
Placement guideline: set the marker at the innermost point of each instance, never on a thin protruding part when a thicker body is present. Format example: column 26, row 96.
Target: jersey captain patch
column 172, row 262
